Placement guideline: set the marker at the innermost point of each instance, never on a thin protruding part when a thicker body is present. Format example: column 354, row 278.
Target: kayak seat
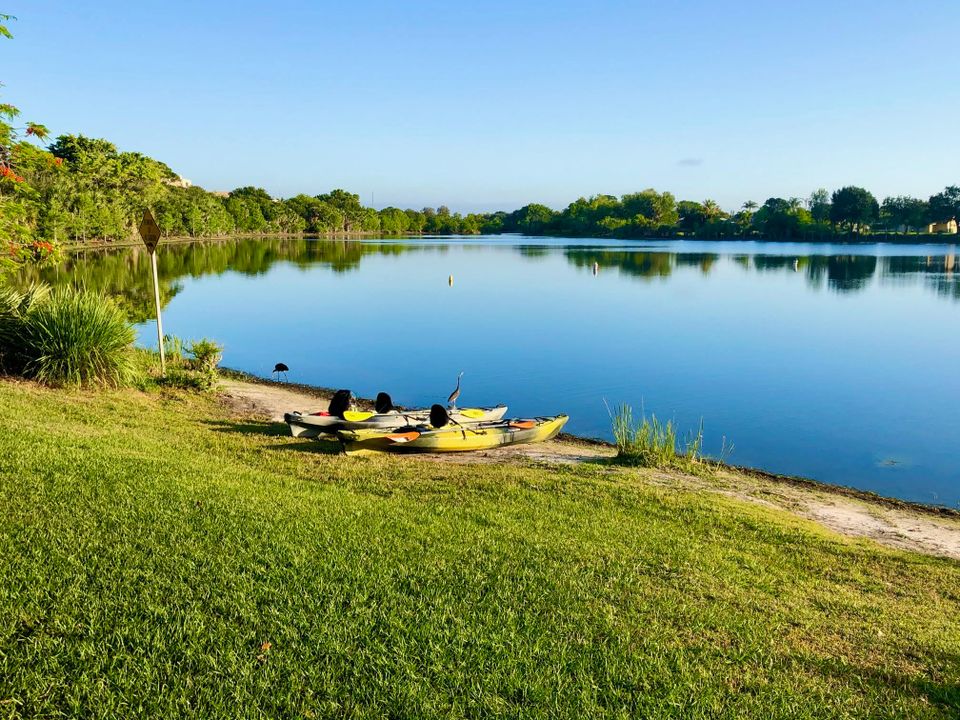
column 438, row 416
column 383, row 404
column 339, row 403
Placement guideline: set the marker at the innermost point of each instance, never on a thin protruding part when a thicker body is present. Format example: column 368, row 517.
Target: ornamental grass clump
column 653, row 443
column 76, row 337
column 197, row 372
column 14, row 306
column 207, row 354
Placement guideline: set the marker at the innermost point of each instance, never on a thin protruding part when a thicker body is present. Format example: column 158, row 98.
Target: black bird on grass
column 280, row 368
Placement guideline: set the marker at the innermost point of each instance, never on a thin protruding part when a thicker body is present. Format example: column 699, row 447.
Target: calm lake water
column 836, row 362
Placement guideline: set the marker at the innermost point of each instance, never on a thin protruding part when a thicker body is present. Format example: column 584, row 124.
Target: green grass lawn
column 158, row 558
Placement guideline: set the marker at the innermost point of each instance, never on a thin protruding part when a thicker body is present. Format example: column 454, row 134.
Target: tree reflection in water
column 124, row 272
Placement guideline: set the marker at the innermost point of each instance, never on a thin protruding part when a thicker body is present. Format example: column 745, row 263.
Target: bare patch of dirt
column 269, row 400
column 892, row 523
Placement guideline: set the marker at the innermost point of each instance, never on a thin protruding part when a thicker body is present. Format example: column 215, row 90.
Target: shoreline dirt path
column 891, row 523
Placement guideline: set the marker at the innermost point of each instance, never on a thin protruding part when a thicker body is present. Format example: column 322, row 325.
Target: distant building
column 180, row 182
column 945, row 228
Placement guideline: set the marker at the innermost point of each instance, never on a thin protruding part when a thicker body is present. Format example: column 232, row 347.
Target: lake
column 835, row 362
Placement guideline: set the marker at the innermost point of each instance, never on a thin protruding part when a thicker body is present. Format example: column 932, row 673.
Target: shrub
column 173, row 349
column 199, row 372
column 14, row 305
column 181, row 377
column 75, row 337
column 652, row 443
column 206, row 355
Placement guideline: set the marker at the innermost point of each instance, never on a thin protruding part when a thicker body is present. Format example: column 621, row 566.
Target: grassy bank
column 160, row 558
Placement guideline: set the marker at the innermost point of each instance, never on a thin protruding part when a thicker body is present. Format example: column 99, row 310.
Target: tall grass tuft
column 198, row 372
column 653, row 443
column 207, row 354
column 75, row 337
column 14, row 306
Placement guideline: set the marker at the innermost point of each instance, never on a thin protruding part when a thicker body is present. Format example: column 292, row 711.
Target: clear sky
column 496, row 104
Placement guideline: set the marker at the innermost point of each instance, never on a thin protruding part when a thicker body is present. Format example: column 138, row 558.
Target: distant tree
column 583, row 215
column 819, row 205
column 329, row 218
column 317, row 216
column 777, row 219
column 945, row 205
column 692, row 216
column 394, row 221
column 854, row 208
column 348, row 204
column 713, row 211
column 417, row 221
column 744, row 218
column 904, row 212
column 369, row 220
column 494, row 223
column 654, row 207
column 472, row 224
column 533, row 219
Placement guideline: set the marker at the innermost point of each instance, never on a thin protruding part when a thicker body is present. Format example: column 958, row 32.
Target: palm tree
column 711, row 209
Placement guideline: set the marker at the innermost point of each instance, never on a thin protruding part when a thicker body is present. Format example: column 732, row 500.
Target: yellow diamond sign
column 149, row 231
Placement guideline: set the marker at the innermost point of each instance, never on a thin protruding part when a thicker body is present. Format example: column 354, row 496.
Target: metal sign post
column 150, row 232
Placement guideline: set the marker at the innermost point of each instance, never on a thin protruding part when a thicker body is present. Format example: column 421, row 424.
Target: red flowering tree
column 18, row 200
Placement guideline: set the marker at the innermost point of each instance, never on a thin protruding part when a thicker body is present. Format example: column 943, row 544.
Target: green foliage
column 777, row 219
column 206, row 355
column 394, row 221
column 186, row 378
column 71, row 337
column 14, row 306
column 532, row 219
column 349, row 207
column 819, row 205
column 652, row 443
column 196, row 373
column 173, row 349
column 20, row 201
column 854, row 208
column 4, row 30
column 904, row 213
column 946, row 205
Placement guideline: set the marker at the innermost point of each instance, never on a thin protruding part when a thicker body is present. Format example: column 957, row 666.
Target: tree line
column 78, row 188
column 849, row 211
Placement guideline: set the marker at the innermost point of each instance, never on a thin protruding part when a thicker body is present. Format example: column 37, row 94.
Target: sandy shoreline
column 850, row 512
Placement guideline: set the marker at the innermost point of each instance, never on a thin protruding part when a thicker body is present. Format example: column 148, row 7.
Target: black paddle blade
column 339, row 403
column 438, row 416
column 383, row 403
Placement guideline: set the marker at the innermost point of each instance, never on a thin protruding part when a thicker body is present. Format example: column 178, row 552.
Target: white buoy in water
column 450, row 281
column 596, row 268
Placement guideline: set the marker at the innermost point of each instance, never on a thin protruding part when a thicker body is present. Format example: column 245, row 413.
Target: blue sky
column 496, row 104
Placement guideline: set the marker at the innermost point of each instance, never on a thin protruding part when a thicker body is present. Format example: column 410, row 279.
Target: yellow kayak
column 453, row 437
